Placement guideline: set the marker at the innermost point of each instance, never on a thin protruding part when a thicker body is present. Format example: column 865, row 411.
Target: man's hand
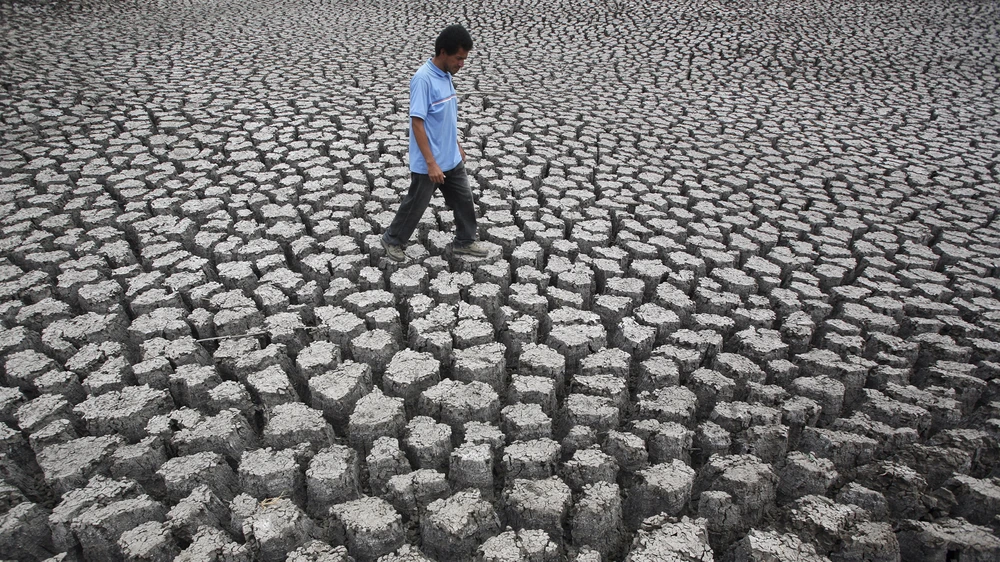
column 435, row 173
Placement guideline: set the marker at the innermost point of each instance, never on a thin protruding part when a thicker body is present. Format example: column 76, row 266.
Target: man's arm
column 420, row 135
column 461, row 151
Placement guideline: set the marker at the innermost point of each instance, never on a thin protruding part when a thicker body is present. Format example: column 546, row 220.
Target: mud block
column 903, row 487
column 895, row 413
column 596, row 519
column 628, row 449
column 482, row 363
column 472, row 332
column 124, row 412
column 761, row 345
column 826, row 391
column 318, row 551
column 317, row 358
column 869, row 540
column 471, row 466
column 454, row 527
column 479, row 433
column 374, row 416
column 370, row 527
column 70, row 465
column 823, row 522
column 765, row 546
column 751, row 483
column 152, row 541
column 231, row 395
column 333, row 476
column 767, row 442
column 797, row 413
column 543, row 361
column 723, row 516
column 214, row 544
column 375, row 348
column 662, row 488
column 456, row 403
column 847, row 450
column 711, row 387
column 598, row 412
column 517, row 332
column 271, row 386
column 589, row 466
column 874, row 503
column 277, row 528
column 65, row 383
column 576, row 341
column 537, row 458
column 656, row 373
column 610, row 386
column 99, row 491
column 201, row 508
column 664, row 321
column 266, row 473
column 24, row 532
column 804, row 475
column 665, row 441
column 23, row 367
column 409, row 373
column 227, row 433
column 536, row 504
column 99, row 528
column 411, row 493
column 56, row 431
column 634, row 338
column 190, row 385
column 181, row 475
column 522, row 422
column 427, row 443
column 668, row 404
column 295, row 423
column 525, row 544
column 337, row 392
column 922, row 541
column 738, row 416
column 35, row 414
column 384, row 461
column 665, row 538
column 240, row 509
column 529, row 389
column 10, row 400
column 406, row 553
column 978, row 499
column 342, row 326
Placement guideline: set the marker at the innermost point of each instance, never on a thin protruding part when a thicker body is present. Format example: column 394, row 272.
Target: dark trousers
column 457, row 194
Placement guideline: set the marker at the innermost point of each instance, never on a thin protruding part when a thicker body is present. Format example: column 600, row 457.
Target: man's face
column 454, row 63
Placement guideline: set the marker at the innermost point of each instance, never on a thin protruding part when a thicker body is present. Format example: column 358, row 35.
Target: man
column 437, row 160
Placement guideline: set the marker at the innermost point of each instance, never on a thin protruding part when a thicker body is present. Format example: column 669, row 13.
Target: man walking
column 437, row 160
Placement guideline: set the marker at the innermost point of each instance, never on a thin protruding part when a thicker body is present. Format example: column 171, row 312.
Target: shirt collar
column 437, row 71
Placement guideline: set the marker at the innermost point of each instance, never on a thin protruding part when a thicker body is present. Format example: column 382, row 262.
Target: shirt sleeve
column 420, row 97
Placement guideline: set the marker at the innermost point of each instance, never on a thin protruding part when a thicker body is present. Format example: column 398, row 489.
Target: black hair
column 453, row 38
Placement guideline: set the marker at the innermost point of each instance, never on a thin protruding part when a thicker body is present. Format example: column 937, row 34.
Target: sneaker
column 474, row 249
column 394, row 252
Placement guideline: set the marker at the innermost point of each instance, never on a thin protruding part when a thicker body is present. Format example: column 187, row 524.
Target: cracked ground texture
column 742, row 300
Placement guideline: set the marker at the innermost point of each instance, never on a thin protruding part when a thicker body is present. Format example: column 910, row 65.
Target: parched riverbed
column 742, row 301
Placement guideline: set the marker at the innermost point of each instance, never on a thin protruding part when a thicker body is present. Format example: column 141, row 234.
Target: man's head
column 452, row 48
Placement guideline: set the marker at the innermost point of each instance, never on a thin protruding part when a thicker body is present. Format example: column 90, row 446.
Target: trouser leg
column 458, row 195
column 411, row 209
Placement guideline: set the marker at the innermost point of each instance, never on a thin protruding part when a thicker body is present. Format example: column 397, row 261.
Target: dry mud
column 742, row 301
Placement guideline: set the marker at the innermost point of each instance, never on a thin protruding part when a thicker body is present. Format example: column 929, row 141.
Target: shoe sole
column 389, row 255
column 468, row 253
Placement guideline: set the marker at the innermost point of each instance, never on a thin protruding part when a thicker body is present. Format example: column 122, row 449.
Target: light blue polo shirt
column 433, row 99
